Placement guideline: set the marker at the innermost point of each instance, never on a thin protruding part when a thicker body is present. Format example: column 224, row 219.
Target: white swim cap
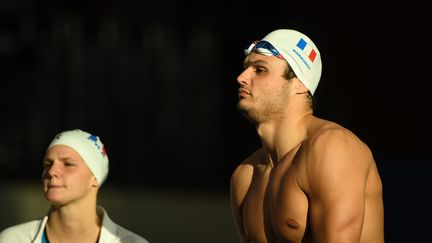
column 89, row 147
column 298, row 50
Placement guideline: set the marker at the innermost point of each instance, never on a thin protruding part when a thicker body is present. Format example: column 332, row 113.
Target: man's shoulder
column 330, row 139
column 258, row 156
column 330, row 132
column 244, row 170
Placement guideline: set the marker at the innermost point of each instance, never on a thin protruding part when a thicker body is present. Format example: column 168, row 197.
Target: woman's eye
column 46, row 164
column 68, row 163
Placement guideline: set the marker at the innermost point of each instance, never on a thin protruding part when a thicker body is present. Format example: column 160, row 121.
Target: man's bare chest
column 275, row 206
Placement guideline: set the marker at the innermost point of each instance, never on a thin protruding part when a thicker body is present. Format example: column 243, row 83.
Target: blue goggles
column 263, row 45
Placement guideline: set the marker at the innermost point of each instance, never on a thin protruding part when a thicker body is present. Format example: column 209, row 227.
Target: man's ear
column 299, row 87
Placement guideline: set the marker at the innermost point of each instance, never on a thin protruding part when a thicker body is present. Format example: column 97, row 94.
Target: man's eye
column 259, row 70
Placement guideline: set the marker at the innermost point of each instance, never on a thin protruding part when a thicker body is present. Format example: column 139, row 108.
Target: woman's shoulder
column 113, row 232
column 128, row 236
column 16, row 232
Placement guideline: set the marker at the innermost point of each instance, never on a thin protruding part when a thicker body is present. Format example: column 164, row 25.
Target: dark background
column 156, row 81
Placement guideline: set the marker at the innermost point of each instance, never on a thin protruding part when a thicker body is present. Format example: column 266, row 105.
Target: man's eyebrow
column 249, row 62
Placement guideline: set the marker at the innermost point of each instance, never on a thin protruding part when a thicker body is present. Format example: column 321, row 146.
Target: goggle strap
column 250, row 48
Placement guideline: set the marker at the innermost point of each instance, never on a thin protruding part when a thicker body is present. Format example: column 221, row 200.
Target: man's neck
column 279, row 136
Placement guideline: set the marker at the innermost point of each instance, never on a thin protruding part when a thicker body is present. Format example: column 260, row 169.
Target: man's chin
column 241, row 106
column 242, row 109
column 247, row 113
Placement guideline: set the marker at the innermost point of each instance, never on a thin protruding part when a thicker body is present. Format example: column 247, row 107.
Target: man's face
column 263, row 92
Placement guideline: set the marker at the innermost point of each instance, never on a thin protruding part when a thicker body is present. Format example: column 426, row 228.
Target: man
column 74, row 167
column 312, row 180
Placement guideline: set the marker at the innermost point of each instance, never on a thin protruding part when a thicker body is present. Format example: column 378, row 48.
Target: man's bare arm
column 337, row 173
column 239, row 185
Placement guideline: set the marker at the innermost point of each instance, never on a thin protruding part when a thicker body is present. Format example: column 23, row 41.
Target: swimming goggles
column 263, row 45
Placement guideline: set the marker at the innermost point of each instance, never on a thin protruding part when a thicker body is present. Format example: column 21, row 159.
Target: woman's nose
column 52, row 170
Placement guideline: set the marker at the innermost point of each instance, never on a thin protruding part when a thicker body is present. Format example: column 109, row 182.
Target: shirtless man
column 312, row 180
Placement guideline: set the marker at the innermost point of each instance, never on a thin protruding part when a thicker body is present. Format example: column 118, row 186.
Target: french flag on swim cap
column 307, row 49
column 98, row 144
